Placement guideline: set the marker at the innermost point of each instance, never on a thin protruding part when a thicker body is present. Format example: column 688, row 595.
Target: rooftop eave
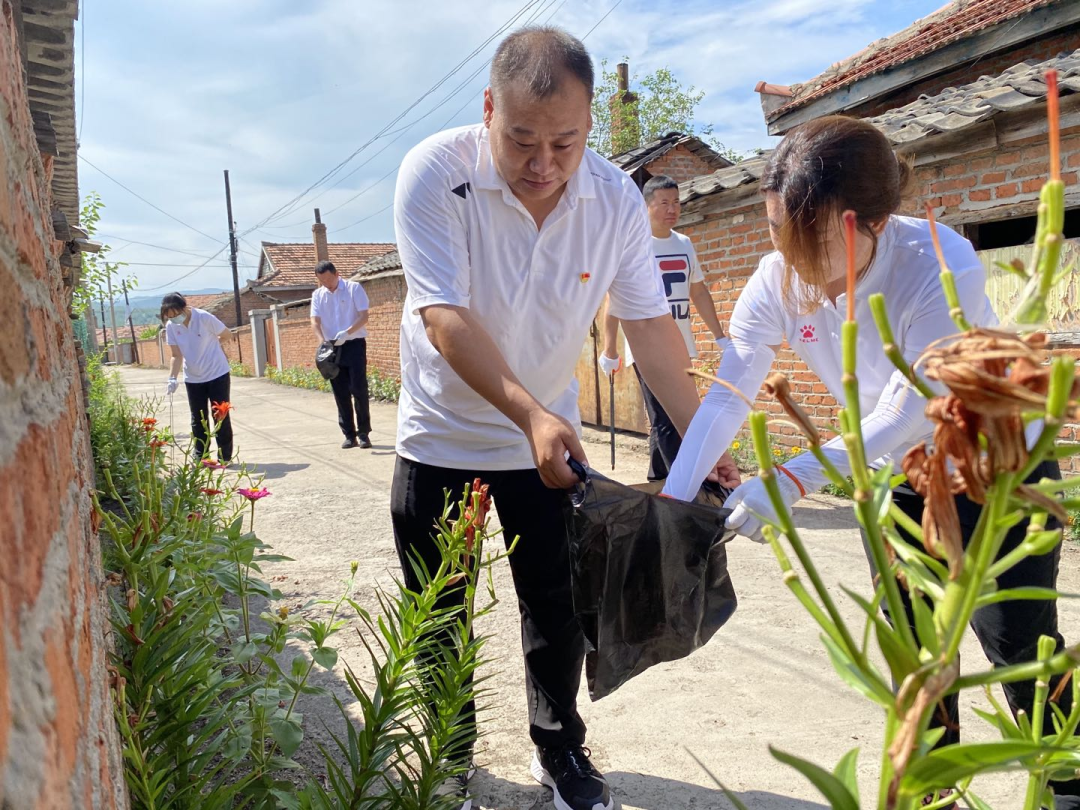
column 997, row 38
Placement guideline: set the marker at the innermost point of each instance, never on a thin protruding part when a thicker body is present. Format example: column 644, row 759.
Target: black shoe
column 345, row 445
column 458, row 787
column 365, row 441
column 576, row 783
column 937, row 796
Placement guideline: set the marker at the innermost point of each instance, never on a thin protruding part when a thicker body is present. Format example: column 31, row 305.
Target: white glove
column 609, row 365
column 722, row 344
column 171, row 386
column 341, row 337
column 751, row 506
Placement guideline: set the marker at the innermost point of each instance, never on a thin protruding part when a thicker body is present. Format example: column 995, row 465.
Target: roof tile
column 294, row 262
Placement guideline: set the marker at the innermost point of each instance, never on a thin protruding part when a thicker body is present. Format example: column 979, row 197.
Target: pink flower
column 209, row 463
column 253, row 494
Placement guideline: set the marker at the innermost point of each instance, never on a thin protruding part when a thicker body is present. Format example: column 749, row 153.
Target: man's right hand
column 551, row 437
column 609, row 365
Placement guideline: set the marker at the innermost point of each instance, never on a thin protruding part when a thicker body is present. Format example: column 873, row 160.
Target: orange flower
column 220, row 409
column 479, row 516
column 211, row 492
column 210, row 464
column 148, row 423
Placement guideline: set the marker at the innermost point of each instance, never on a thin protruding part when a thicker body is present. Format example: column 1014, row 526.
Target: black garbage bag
column 326, row 357
column 649, row 576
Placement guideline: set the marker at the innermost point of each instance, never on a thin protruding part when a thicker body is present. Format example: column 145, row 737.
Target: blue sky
column 280, row 92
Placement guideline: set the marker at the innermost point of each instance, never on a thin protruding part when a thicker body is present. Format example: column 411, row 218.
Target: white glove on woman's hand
column 609, row 365
column 171, row 386
column 752, row 508
column 341, row 337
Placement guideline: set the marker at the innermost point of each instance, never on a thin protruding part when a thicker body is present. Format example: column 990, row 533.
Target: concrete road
column 764, row 678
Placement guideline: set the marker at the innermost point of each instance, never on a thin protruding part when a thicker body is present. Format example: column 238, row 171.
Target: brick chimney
column 625, row 125
column 318, row 233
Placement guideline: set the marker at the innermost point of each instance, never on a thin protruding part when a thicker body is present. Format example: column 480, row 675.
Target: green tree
column 96, row 267
column 662, row 105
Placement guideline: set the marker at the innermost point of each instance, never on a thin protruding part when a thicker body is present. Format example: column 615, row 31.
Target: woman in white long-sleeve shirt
column 797, row 294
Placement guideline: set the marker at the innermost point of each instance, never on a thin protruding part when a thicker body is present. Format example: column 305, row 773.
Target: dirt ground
column 763, row 679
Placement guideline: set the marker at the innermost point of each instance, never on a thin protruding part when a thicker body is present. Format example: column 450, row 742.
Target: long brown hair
column 821, row 169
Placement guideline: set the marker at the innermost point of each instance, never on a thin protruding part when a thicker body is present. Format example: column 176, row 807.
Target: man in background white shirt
column 678, row 268
column 339, row 313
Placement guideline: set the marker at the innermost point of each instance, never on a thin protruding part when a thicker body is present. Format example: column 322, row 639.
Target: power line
column 140, row 197
column 365, row 219
column 288, row 207
column 617, row 4
column 185, row 275
column 149, row 244
column 169, row 264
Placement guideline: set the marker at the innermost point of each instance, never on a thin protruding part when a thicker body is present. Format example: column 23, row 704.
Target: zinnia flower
column 210, row 464
column 253, row 494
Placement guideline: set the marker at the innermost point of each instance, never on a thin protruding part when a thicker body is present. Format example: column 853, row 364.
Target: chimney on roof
column 625, row 123
column 318, row 233
column 773, row 96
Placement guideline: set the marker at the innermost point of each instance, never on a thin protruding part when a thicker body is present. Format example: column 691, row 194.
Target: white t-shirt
column 465, row 240
column 906, row 271
column 339, row 309
column 678, row 268
column 204, row 359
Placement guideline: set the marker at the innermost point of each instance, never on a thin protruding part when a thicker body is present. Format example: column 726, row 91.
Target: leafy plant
column 996, row 383
column 239, row 369
column 150, row 332
column 97, row 270
column 380, row 386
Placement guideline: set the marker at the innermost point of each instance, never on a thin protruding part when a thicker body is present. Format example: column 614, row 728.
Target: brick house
column 680, row 157
column 977, row 140
column 58, row 740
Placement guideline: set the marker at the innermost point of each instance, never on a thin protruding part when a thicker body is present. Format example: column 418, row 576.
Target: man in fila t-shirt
column 684, row 284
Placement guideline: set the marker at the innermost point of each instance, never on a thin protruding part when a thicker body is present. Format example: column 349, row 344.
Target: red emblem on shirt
column 807, row 334
column 585, row 277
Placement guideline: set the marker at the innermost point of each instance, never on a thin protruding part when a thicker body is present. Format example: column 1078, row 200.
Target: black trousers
column 664, row 439
column 550, row 637
column 350, row 388
column 1008, row 631
column 201, row 397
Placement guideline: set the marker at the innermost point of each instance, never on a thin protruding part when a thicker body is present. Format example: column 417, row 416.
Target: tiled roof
column 380, row 264
column 956, row 108
column 208, row 301
column 293, row 264
column 634, row 159
column 955, row 21
column 951, row 110
column 742, row 173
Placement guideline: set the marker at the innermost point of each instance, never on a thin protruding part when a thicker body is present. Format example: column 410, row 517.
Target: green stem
column 1056, row 665
column 892, row 351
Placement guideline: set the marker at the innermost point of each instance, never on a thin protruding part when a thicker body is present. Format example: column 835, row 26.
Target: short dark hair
column 658, row 183
column 171, row 301
column 325, row 267
column 539, row 57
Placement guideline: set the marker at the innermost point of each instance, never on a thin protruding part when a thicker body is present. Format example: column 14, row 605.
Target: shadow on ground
column 275, row 470
column 631, row 790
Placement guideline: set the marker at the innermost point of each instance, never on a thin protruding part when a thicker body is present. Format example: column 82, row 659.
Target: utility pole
column 232, row 250
column 112, row 314
column 131, row 326
column 104, row 331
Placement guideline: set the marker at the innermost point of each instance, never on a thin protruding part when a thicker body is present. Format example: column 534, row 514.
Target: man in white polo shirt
column 339, row 314
column 510, row 235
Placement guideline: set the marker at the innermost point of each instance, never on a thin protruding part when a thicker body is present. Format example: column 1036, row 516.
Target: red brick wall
column 298, row 343
column 680, row 164
column 1039, row 51
column 58, row 743
column 238, row 348
column 152, row 354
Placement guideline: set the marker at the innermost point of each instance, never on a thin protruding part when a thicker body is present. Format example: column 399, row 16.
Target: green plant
column 996, row 383
column 150, row 332
column 240, row 370
column 380, row 386
column 97, row 271
column 383, row 387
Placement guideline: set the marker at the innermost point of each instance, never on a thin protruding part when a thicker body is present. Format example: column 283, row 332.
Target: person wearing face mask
column 510, row 234
column 798, row 295
column 194, row 339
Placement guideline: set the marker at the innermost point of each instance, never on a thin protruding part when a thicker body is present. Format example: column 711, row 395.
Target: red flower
column 220, row 409
column 253, row 494
column 194, row 517
column 210, row 464
column 211, row 492
column 479, row 516
column 148, row 423
column 158, row 443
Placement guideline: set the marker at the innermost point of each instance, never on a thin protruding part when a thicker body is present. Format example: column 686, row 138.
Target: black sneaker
column 365, row 441
column 458, row 787
column 576, row 783
column 345, row 445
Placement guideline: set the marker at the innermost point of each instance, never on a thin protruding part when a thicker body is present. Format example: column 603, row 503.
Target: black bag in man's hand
column 326, row 357
column 649, row 576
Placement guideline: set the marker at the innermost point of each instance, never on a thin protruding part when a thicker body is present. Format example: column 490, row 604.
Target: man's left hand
column 726, row 473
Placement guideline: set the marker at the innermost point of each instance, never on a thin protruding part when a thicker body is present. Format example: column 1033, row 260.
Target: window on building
column 1016, row 231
